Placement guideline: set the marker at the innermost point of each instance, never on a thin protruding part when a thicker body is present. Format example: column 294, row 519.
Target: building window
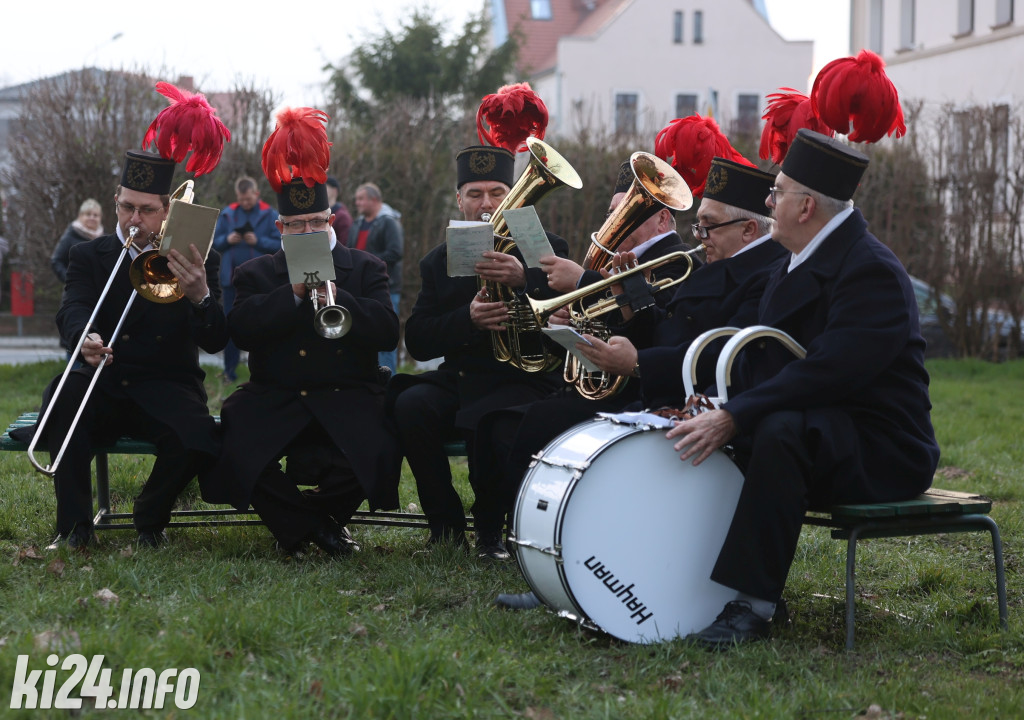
column 677, row 27
column 698, row 27
column 965, row 17
column 748, row 113
column 1004, row 12
column 875, row 27
column 626, row 105
column 540, row 9
column 686, row 105
column 907, row 24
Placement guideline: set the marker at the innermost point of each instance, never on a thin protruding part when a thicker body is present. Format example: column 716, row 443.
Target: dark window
column 1004, row 12
column 677, row 27
column 626, row 105
column 540, row 9
column 965, row 17
column 686, row 105
column 698, row 27
column 748, row 113
column 875, row 27
column 907, row 24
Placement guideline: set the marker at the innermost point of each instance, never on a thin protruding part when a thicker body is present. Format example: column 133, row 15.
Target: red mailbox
column 22, row 298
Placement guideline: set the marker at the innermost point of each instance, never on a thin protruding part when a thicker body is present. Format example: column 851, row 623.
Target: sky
column 218, row 45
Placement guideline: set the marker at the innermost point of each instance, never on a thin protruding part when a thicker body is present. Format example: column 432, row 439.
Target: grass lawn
column 399, row 633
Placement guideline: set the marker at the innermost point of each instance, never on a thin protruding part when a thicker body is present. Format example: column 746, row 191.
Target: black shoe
column 448, row 537
column 295, row 552
column 151, row 538
column 737, row 623
column 522, row 601
column 490, row 547
column 334, row 540
column 77, row 539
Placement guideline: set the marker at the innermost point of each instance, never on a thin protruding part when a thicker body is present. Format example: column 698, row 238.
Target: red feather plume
column 854, row 96
column 298, row 148
column 787, row 112
column 512, row 114
column 689, row 145
column 188, row 123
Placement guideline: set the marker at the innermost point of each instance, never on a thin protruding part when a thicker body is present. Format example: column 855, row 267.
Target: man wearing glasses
column 317, row 401
column 848, row 423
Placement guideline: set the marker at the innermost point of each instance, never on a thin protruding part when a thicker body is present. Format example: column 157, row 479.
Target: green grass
column 399, row 633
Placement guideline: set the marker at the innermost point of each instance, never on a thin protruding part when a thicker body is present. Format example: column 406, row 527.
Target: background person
column 87, row 226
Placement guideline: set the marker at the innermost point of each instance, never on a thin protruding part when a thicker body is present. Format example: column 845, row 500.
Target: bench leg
column 851, row 566
column 997, row 554
column 102, row 488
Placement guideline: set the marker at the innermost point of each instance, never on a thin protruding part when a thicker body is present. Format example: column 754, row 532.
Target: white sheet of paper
column 467, row 242
column 525, row 228
column 638, row 418
column 309, row 257
column 567, row 337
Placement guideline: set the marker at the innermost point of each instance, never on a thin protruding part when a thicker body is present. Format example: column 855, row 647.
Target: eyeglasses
column 773, row 191
column 129, row 210
column 297, row 226
column 701, row 232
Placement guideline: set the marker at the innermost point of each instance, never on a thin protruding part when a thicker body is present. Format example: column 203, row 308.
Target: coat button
column 302, row 353
column 462, row 373
column 670, row 313
column 124, row 338
column 339, row 351
column 124, row 383
column 159, row 338
column 302, row 393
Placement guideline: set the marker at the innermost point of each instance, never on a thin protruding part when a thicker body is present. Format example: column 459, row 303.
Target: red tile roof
column 539, row 38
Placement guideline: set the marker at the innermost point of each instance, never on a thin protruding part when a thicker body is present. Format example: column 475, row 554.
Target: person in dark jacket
column 453, row 317
column 317, row 401
column 848, row 423
column 87, row 226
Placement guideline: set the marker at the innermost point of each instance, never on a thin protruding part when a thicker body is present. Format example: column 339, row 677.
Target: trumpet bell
column 152, row 278
column 332, row 322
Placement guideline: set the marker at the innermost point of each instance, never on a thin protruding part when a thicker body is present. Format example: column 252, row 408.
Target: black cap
column 824, row 164
column 297, row 199
column 483, row 162
column 625, row 178
column 739, row 185
column 333, row 182
column 147, row 172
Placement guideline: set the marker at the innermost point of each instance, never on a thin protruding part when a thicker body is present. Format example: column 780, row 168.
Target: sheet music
column 309, row 258
column 567, row 337
column 639, row 418
column 467, row 242
column 527, row 232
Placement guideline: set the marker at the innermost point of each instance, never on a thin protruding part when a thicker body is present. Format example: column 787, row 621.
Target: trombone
column 148, row 280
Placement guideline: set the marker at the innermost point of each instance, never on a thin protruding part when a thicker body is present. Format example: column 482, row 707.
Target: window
column 1004, row 12
column 748, row 113
column 906, row 24
column 686, row 105
column 677, row 27
column 875, row 27
column 965, row 17
column 626, row 105
column 540, row 9
column 698, row 27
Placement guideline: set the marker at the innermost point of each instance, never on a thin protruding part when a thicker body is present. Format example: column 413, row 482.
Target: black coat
column 667, row 245
column 298, row 376
column 440, row 326
column 156, row 351
column 851, row 305
column 719, row 294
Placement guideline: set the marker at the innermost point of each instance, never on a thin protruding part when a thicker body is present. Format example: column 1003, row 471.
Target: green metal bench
column 107, row 520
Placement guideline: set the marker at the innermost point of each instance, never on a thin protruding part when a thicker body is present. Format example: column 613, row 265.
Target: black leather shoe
column 448, row 537
column 737, row 623
column 490, row 547
column 151, row 538
column 522, row 601
column 77, row 539
column 334, row 540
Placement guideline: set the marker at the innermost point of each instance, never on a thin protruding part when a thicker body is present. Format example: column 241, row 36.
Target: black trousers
column 294, row 515
column 105, row 418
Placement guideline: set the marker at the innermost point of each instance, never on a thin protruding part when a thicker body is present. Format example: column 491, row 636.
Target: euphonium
column 521, row 343
column 656, row 185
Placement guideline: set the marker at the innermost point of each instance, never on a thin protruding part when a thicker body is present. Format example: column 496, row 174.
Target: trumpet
column 148, row 280
column 331, row 320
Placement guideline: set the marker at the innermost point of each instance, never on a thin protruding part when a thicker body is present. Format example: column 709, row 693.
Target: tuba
column 656, row 185
column 521, row 343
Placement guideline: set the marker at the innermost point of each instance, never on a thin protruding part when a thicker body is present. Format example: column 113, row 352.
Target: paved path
column 16, row 350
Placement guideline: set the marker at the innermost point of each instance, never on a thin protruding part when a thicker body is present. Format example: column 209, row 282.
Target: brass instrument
column 152, row 280
column 521, row 343
column 656, row 185
column 332, row 321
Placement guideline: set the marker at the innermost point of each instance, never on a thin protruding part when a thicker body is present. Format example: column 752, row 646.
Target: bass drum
column 613, row 531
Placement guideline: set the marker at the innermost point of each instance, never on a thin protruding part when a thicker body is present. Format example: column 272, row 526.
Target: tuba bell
column 521, row 343
column 656, row 185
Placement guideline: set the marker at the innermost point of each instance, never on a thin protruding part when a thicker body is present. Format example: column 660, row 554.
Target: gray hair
column 829, row 205
column 765, row 225
column 90, row 204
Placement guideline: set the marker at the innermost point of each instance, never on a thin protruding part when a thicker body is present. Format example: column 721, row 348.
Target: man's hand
column 234, row 238
column 250, row 238
column 618, row 356
column 487, row 315
column 191, row 275
column 502, row 268
column 704, row 434
column 560, row 317
column 93, row 350
column 563, row 274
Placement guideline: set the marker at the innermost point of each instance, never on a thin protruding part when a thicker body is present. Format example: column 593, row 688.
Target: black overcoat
column 298, row 376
